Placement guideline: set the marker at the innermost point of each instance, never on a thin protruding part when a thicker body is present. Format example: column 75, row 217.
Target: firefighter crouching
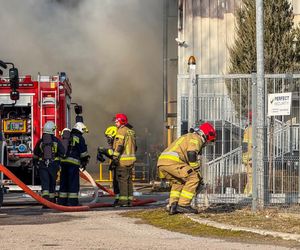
column 76, row 157
column 47, row 154
column 179, row 164
column 110, row 134
column 123, row 159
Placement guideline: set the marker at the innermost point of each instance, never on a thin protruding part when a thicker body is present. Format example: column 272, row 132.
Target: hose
column 91, row 180
column 55, row 206
column 83, row 176
column 110, row 192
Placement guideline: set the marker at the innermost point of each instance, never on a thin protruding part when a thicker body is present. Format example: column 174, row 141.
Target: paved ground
column 33, row 228
column 30, row 227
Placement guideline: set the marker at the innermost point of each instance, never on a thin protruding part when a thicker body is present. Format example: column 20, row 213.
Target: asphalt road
column 24, row 225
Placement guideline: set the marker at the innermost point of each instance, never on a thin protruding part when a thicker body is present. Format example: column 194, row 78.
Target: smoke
column 111, row 50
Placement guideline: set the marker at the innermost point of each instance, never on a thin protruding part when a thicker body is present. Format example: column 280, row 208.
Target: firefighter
column 110, row 134
column 179, row 164
column 247, row 154
column 123, row 159
column 76, row 157
column 47, row 154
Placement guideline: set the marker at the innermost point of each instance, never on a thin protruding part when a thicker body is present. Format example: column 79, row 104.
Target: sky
column 111, row 51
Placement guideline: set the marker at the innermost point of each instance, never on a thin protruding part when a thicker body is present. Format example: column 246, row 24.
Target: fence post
column 254, row 143
column 260, row 110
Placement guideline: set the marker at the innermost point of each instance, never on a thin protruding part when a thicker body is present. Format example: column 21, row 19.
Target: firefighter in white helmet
column 47, row 154
column 76, row 157
column 179, row 164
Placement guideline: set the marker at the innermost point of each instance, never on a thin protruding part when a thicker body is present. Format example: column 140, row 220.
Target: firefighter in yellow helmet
column 179, row 164
column 247, row 154
column 123, row 158
column 110, row 134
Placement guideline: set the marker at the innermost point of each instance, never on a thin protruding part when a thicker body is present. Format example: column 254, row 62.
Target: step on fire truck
column 48, row 98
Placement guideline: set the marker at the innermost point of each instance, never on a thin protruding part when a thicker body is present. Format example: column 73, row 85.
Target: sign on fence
column 279, row 104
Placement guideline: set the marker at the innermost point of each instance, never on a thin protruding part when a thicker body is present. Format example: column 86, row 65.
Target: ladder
column 48, row 106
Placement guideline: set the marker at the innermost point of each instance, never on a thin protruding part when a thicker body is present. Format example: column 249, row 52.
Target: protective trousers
column 124, row 179
column 248, row 187
column 48, row 175
column 184, row 180
column 115, row 184
column 69, row 184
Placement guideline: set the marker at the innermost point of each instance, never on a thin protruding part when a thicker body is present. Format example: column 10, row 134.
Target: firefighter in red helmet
column 123, row 158
column 179, row 164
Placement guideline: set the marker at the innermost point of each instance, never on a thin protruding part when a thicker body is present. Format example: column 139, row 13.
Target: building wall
column 208, row 31
column 170, row 69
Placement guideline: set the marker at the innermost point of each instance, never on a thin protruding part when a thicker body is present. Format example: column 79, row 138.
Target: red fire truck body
column 46, row 99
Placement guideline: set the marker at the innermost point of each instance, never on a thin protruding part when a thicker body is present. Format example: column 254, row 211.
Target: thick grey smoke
column 110, row 49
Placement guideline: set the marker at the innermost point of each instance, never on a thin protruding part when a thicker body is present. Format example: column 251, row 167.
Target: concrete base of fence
column 244, row 199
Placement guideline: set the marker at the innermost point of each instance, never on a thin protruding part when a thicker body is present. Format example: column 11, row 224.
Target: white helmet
column 81, row 127
column 61, row 133
column 49, row 128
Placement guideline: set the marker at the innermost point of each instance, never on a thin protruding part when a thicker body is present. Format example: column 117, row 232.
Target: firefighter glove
column 84, row 162
column 102, row 150
column 111, row 166
column 100, row 157
column 115, row 162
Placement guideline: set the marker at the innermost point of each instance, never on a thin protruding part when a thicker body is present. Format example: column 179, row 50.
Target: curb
column 285, row 236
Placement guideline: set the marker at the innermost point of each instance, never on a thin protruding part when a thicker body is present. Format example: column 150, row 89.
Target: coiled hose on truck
column 55, row 206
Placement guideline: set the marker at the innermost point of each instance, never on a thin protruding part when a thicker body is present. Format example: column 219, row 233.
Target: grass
column 268, row 219
column 180, row 223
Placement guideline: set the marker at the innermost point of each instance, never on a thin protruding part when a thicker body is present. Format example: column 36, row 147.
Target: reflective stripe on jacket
column 77, row 149
column 124, row 146
column 177, row 151
column 247, row 145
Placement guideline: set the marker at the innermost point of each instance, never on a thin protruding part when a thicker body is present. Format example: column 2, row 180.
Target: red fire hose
column 52, row 205
column 111, row 193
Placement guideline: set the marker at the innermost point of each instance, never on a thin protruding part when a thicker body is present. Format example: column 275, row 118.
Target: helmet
column 49, row 128
column 249, row 116
column 122, row 118
column 64, row 132
column 65, row 129
column 81, row 127
column 209, row 131
column 111, row 131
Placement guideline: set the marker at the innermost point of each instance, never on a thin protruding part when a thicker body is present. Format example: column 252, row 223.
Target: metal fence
column 226, row 102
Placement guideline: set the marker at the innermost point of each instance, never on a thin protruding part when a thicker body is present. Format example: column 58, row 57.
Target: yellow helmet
column 111, row 131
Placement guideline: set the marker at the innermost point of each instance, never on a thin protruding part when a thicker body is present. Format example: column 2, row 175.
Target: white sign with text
column 279, row 104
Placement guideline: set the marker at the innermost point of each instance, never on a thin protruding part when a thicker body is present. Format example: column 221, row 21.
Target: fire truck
column 47, row 98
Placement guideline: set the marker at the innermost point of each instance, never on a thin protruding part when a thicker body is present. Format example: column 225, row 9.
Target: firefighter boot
column 116, row 203
column 186, row 209
column 173, row 208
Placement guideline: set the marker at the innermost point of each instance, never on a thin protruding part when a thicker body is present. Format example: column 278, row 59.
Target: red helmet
column 122, row 118
column 209, row 131
column 249, row 116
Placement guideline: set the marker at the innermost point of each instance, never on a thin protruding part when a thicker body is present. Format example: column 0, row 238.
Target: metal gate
column 227, row 102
